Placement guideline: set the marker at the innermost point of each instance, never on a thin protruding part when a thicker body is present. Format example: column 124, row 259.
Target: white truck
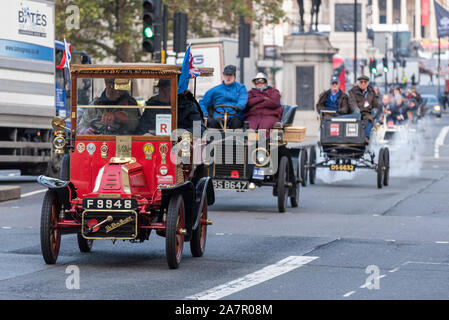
column 216, row 53
column 27, row 85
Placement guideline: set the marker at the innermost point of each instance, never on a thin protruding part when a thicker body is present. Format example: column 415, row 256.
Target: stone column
column 306, row 51
column 375, row 12
column 389, row 11
column 417, row 20
column 404, row 11
column 432, row 22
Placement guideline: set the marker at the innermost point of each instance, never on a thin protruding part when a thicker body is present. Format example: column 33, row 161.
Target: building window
column 344, row 17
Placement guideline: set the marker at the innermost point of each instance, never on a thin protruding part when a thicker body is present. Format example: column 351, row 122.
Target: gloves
column 357, row 113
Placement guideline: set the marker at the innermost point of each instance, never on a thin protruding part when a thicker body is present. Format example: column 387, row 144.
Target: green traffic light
column 148, row 32
column 385, row 69
column 373, row 70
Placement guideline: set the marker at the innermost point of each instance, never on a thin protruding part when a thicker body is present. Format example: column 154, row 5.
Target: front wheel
column 198, row 240
column 50, row 233
column 312, row 162
column 85, row 245
column 282, row 189
column 380, row 168
column 387, row 167
column 174, row 234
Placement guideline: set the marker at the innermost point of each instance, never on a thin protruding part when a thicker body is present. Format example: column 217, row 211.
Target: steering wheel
column 220, row 109
column 102, row 128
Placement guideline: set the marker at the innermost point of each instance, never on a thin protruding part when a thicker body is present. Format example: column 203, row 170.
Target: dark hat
column 335, row 79
column 363, row 77
column 164, row 83
column 230, row 69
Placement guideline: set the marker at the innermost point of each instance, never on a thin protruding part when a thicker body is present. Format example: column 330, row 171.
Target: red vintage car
column 128, row 168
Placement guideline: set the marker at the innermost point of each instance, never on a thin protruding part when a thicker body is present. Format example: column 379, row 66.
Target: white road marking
column 32, row 193
column 442, row 242
column 350, row 293
column 269, row 272
column 369, row 283
column 440, row 141
column 394, row 270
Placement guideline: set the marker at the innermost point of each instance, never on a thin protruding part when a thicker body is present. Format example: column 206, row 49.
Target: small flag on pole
column 188, row 71
column 66, row 57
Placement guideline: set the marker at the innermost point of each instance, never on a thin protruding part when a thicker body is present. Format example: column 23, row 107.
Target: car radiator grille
column 228, row 159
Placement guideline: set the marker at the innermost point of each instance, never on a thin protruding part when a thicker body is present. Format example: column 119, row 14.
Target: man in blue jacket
column 230, row 92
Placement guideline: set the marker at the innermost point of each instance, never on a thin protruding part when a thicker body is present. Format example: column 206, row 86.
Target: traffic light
column 244, row 39
column 179, row 32
column 373, row 65
column 151, row 31
column 385, row 63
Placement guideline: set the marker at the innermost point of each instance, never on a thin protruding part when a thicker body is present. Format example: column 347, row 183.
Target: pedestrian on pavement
column 264, row 104
column 445, row 99
column 363, row 100
column 230, row 92
column 333, row 99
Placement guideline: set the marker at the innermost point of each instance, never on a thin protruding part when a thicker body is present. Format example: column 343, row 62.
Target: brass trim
column 109, row 195
column 112, row 213
column 255, row 160
column 125, row 180
column 123, row 146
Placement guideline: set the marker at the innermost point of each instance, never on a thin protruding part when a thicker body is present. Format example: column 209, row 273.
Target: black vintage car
column 343, row 148
column 246, row 159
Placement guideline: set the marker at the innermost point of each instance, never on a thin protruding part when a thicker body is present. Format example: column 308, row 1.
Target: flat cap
column 363, row 77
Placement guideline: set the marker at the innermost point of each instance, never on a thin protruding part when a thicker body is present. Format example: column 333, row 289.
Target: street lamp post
column 355, row 41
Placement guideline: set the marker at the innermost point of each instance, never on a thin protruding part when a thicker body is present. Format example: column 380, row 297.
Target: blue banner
column 23, row 50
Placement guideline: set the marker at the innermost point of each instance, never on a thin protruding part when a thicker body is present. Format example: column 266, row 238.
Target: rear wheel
column 174, row 237
column 49, row 233
column 387, row 167
column 198, row 240
column 302, row 169
column 282, row 189
column 312, row 168
column 380, row 168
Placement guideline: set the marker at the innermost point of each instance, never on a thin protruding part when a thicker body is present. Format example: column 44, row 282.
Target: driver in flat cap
column 364, row 100
column 229, row 92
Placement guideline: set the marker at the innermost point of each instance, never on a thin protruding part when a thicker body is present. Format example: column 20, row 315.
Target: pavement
column 9, row 193
column 10, row 180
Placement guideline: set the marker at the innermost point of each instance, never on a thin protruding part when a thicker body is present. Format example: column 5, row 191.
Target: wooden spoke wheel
column 174, row 234
column 282, row 189
column 198, row 240
column 387, row 167
column 49, row 233
column 312, row 162
column 380, row 168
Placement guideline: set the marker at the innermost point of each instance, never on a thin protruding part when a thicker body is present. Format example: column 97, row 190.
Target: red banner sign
column 425, row 10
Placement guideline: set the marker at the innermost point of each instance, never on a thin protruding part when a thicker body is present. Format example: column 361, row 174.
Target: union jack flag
column 67, row 56
column 188, row 71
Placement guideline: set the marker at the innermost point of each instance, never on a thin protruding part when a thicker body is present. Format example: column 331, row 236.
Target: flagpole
column 439, row 66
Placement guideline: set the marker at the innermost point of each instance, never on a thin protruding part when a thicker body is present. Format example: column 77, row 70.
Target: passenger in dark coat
column 264, row 105
column 188, row 110
column 333, row 99
column 363, row 99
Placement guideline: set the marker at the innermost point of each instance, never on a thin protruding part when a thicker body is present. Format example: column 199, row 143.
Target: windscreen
column 118, row 106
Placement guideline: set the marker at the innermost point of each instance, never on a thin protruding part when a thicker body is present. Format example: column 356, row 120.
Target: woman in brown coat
column 264, row 104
